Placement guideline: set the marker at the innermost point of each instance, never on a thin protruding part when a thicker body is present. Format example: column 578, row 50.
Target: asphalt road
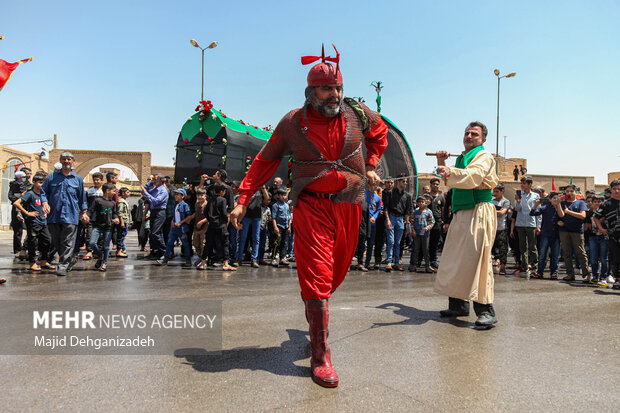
column 556, row 346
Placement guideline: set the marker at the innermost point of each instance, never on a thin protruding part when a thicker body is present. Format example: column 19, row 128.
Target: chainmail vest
column 289, row 138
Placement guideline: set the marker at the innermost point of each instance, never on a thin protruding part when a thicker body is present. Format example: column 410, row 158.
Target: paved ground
column 556, row 347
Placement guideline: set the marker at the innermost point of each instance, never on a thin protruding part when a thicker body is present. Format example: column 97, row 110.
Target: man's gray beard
column 321, row 105
column 324, row 109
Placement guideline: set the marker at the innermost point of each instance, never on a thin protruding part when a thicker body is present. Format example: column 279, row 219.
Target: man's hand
column 116, row 221
column 537, row 231
column 84, row 218
column 443, row 171
column 604, row 231
column 537, row 204
column 288, row 230
column 441, row 157
column 446, row 227
column 388, row 224
column 237, row 215
column 276, row 231
column 33, row 214
column 372, row 220
column 46, row 208
column 413, row 233
column 143, row 190
column 560, row 223
column 373, row 178
column 512, row 234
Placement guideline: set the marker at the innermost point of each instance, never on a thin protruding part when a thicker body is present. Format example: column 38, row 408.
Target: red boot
column 323, row 373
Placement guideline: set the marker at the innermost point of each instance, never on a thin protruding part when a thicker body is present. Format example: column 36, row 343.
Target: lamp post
column 513, row 74
column 505, row 146
column 210, row 46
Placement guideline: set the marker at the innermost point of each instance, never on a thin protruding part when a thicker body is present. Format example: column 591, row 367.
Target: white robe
column 466, row 269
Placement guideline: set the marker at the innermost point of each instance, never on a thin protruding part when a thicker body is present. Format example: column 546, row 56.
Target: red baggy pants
column 326, row 235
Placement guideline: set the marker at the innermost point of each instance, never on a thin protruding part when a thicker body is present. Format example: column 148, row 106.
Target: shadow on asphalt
column 603, row 292
column 414, row 316
column 277, row 360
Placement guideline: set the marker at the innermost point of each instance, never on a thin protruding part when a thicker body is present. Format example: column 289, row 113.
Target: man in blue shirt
column 526, row 226
column 64, row 203
column 157, row 195
column 571, row 214
column 375, row 206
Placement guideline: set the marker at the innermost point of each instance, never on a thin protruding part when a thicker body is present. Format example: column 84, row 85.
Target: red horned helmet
column 323, row 73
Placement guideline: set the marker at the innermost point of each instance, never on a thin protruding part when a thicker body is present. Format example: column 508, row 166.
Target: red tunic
column 326, row 232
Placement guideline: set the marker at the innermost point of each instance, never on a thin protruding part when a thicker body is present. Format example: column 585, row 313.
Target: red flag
column 6, row 70
column 553, row 184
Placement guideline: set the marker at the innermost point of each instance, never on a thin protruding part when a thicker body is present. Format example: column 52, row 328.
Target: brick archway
column 85, row 160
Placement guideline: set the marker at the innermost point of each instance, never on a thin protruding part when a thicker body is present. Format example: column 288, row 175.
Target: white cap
column 57, row 166
column 20, row 174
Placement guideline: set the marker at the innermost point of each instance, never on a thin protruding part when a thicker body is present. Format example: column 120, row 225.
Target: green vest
column 468, row 198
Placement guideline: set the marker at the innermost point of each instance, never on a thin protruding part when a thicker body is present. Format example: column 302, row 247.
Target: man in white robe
column 466, row 270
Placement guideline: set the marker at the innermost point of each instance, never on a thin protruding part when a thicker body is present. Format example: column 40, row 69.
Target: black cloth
column 610, row 210
column 102, row 212
column 379, row 237
column 398, row 203
column 16, row 189
column 229, row 196
column 216, row 212
column 38, row 238
column 436, row 208
column 216, row 237
column 255, row 206
column 447, row 208
column 365, row 221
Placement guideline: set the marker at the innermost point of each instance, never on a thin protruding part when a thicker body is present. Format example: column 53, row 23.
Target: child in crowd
column 502, row 206
column 124, row 215
column 217, row 233
column 281, row 219
column 103, row 215
column 264, row 230
column 549, row 236
column 94, row 192
column 179, row 228
column 36, row 225
column 422, row 222
column 609, row 214
column 200, row 221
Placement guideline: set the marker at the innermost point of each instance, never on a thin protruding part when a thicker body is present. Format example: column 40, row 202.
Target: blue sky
column 122, row 75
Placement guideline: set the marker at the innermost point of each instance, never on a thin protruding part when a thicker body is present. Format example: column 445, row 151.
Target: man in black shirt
column 436, row 208
column 380, row 226
column 104, row 216
column 609, row 212
column 17, row 188
column 398, row 205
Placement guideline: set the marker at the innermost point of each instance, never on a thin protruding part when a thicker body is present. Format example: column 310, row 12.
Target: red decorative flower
column 185, row 140
column 249, row 157
column 200, row 171
column 247, row 132
column 210, row 138
column 224, row 116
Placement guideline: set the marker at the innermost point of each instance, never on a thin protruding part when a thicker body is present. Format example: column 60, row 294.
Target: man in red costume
column 329, row 174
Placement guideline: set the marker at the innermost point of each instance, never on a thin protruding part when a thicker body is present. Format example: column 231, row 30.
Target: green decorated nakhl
column 468, row 198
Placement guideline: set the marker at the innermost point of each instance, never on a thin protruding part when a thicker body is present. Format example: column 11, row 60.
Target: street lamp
column 513, row 74
column 210, row 46
column 505, row 146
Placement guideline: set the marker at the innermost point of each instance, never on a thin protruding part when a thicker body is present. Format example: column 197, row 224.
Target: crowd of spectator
column 62, row 219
